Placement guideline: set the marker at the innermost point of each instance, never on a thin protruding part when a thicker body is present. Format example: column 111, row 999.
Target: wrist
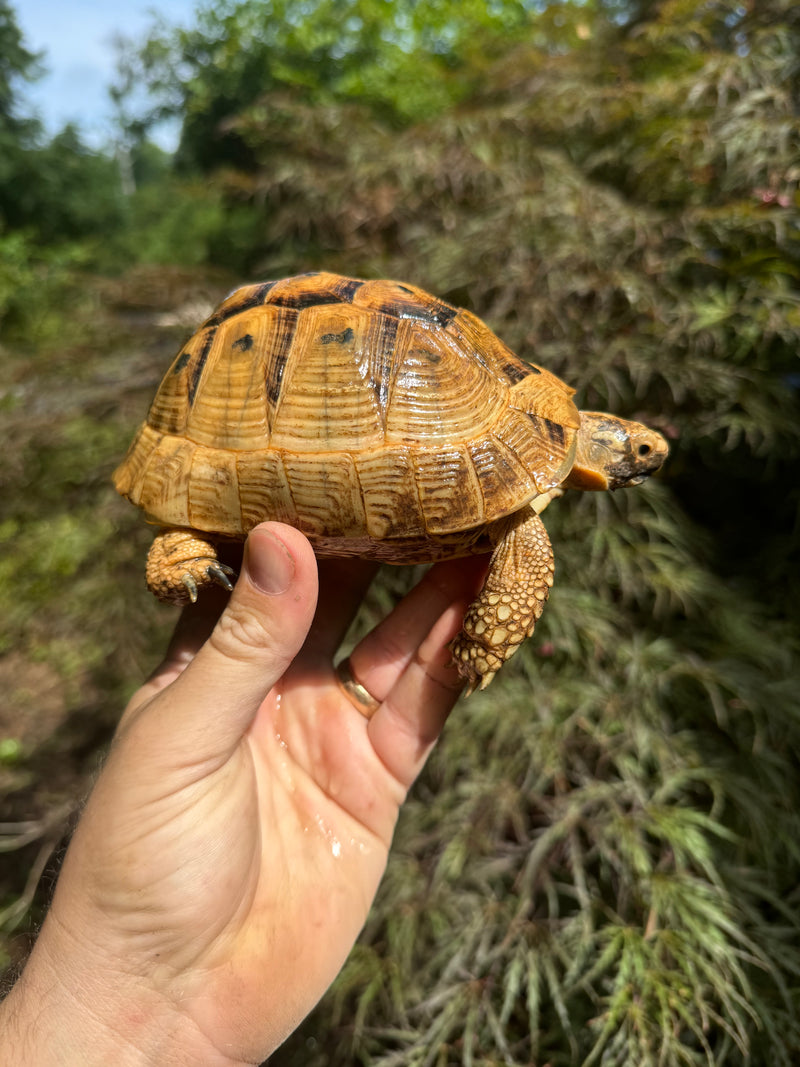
column 65, row 1013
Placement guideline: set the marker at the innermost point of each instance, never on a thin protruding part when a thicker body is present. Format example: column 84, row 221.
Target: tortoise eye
column 644, row 450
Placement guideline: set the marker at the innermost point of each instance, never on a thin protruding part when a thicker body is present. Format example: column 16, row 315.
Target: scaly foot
column 508, row 606
column 181, row 563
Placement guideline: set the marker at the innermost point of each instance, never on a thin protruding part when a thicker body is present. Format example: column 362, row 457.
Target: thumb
column 210, row 705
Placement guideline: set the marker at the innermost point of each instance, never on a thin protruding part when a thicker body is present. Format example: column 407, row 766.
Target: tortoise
column 383, row 423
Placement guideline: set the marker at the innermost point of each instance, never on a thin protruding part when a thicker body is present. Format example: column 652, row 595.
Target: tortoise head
column 612, row 453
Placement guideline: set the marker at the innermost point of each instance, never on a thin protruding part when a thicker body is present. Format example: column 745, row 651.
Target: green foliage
column 62, row 191
column 17, row 64
column 403, row 61
column 190, row 233
column 36, row 285
column 599, row 865
column 596, row 866
column 57, row 190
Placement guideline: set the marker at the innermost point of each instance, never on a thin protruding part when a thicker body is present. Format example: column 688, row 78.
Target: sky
column 76, row 39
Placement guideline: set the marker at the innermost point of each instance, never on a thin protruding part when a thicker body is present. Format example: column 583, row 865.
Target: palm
column 280, row 795
column 244, row 868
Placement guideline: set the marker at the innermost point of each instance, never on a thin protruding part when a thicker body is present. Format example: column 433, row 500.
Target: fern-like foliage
column 599, row 865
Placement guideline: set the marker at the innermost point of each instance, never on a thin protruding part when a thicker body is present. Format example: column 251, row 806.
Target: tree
column 57, row 189
column 17, row 132
column 17, row 63
column 404, row 61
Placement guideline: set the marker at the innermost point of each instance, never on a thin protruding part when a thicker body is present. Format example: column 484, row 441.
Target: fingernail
column 268, row 563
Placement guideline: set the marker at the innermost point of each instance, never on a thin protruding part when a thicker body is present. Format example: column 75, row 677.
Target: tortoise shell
column 350, row 409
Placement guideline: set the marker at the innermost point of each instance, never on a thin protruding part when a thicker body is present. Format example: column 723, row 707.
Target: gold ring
column 361, row 698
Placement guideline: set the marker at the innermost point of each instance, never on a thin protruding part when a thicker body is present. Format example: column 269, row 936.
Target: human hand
column 234, row 841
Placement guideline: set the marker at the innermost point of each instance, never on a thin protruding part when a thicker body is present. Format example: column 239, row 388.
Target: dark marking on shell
column 276, row 363
column 347, row 289
column 514, row 373
column 302, row 299
column 342, row 338
column 243, row 343
column 197, row 369
column 381, row 356
column 181, row 362
column 388, row 336
column 555, row 431
column 437, row 315
column 444, row 315
column 256, row 298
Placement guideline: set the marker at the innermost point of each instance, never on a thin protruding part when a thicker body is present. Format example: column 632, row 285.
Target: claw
column 221, row 573
column 191, row 587
column 487, row 678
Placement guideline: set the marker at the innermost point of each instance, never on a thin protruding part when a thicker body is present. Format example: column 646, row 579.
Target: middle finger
column 343, row 584
column 381, row 657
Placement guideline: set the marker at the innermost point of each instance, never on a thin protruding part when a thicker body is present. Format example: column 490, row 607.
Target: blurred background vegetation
column 600, row 864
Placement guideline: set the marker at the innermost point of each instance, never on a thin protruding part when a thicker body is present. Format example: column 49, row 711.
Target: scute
column 352, row 409
column 404, row 302
column 335, row 388
column 440, row 394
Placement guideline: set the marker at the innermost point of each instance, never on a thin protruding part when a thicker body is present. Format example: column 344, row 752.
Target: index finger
column 192, row 630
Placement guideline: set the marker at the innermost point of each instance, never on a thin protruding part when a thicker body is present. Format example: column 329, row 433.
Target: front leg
column 512, row 598
column 182, row 562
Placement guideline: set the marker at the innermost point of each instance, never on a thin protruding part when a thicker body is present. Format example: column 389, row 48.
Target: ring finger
column 380, row 658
